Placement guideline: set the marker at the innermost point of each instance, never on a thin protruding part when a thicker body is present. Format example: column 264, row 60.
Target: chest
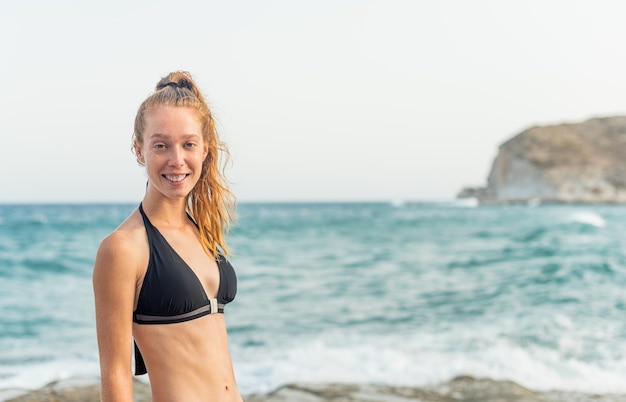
column 184, row 255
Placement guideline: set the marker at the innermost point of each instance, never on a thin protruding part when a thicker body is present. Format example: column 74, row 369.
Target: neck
column 166, row 211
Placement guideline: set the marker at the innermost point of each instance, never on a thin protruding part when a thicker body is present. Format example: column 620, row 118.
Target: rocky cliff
column 570, row 163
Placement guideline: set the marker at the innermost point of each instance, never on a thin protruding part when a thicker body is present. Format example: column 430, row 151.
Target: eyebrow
column 185, row 136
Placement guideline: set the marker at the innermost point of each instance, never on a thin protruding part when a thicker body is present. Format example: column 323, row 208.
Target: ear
column 205, row 151
column 138, row 152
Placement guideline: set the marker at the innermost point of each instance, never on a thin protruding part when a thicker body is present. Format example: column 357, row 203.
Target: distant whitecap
column 466, row 202
column 397, row 202
column 589, row 218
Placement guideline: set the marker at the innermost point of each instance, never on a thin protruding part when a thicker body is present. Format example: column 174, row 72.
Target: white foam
column 397, row 202
column 427, row 360
column 563, row 321
column 588, row 218
column 22, row 378
column 409, row 359
column 465, row 202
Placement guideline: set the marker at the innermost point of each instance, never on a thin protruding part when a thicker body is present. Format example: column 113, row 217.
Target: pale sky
column 318, row 101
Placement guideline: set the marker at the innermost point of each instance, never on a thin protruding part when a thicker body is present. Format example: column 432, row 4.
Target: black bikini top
column 171, row 292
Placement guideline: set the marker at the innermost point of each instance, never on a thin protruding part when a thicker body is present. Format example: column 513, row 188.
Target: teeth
column 175, row 178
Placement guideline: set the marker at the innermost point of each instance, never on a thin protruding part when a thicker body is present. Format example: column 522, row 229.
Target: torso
column 186, row 361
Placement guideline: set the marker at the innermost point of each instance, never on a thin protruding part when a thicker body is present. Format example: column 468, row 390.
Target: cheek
column 151, row 159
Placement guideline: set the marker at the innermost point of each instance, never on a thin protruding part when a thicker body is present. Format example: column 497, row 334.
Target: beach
column 462, row 389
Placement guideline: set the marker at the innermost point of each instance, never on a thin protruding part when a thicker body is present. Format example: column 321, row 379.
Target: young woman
column 161, row 278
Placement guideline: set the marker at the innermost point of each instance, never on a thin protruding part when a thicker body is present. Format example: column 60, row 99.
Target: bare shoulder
column 123, row 252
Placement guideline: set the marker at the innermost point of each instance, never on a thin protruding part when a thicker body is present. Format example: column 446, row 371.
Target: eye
column 159, row 146
column 190, row 145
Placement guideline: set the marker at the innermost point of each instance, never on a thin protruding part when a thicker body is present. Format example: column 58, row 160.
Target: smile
column 175, row 177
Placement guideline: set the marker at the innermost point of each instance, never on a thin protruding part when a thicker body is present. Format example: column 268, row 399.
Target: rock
column 461, row 389
column 566, row 163
column 74, row 390
column 481, row 193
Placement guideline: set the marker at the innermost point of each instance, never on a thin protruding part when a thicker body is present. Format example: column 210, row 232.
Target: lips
column 175, row 178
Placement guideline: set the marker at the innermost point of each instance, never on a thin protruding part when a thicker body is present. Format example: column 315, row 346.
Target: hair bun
column 182, row 83
column 185, row 83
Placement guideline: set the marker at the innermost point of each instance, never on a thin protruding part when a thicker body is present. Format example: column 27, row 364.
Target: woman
column 161, row 276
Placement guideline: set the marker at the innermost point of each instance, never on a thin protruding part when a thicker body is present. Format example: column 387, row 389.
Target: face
column 172, row 150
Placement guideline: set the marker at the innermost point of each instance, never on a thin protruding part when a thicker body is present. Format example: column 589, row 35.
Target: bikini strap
column 146, row 221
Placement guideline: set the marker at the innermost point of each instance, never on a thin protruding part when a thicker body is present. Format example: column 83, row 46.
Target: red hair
column 210, row 203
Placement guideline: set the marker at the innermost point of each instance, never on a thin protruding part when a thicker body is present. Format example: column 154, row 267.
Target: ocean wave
column 410, row 360
column 588, row 218
column 425, row 361
column 465, row 203
column 24, row 376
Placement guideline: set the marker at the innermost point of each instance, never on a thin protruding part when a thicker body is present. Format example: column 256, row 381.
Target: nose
column 177, row 157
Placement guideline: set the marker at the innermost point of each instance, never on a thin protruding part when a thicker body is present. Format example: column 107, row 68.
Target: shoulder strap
column 146, row 221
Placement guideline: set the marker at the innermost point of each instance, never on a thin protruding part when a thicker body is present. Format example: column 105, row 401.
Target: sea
column 404, row 293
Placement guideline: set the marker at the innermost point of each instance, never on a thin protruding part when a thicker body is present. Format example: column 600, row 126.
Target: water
column 396, row 293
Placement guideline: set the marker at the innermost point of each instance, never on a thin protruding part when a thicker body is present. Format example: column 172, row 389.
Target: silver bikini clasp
column 214, row 308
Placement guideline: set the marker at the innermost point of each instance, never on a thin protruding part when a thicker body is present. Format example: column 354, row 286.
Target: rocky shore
column 466, row 389
column 564, row 163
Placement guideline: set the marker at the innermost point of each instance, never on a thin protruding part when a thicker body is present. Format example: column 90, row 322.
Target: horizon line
column 398, row 201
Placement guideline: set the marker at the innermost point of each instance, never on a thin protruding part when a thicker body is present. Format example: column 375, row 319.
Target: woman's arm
column 114, row 280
